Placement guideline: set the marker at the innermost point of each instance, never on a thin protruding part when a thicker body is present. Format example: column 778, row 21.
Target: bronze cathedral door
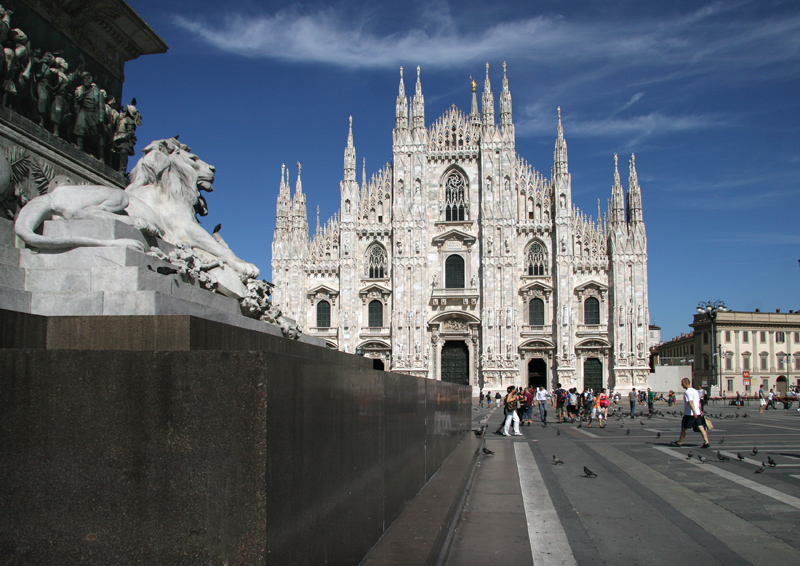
column 455, row 362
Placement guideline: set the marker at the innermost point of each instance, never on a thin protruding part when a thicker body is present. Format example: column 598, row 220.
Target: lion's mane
column 166, row 165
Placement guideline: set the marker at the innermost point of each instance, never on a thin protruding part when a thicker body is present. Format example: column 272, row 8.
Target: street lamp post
column 712, row 309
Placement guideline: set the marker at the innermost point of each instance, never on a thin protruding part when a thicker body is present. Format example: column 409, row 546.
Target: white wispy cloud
column 330, row 36
column 634, row 99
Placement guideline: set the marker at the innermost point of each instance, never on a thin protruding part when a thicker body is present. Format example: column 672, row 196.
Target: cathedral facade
column 459, row 261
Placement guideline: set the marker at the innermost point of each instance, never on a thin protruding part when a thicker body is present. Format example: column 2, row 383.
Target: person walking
column 692, row 413
column 588, row 404
column 511, row 404
column 481, row 399
column 497, row 399
column 541, row 400
column 771, row 400
column 561, row 403
column 632, row 399
column 762, row 400
column 529, row 400
column 650, row 399
column 602, row 407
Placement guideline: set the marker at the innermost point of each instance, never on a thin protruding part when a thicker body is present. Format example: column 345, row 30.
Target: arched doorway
column 377, row 364
column 781, row 386
column 537, row 373
column 593, row 374
column 455, row 362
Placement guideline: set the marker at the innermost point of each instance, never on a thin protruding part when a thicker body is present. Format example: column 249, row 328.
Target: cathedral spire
column 488, row 100
column 317, row 230
column 401, row 110
column 505, row 101
column 364, row 172
column 298, row 187
column 350, row 156
column 474, row 114
column 634, row 194
column 418, row 105
column 560, row 153
column 617, row 198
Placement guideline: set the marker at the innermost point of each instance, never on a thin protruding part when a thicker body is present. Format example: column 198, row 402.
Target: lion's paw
column 146, row 227
column 129, row 244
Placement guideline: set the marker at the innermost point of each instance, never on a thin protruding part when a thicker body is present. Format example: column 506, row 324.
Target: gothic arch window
column 591, row 311
column 456, row 200
column 376, row 262
column 536, row 260
column 454, row 272
column 375, row 314
column 536, row 312
column 323, row 314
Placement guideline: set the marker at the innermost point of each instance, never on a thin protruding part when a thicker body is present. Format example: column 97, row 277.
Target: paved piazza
column 649, row 504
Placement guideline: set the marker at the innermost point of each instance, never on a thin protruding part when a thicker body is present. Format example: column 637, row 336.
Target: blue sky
column 706, row 95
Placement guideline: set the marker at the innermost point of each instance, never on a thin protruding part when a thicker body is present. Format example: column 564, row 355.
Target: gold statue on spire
column 474, row 84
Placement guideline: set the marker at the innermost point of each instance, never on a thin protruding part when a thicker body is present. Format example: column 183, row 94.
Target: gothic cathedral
column 459, row 261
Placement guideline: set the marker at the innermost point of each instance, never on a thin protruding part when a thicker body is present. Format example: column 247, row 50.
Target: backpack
column 573, row 399
column 561, row 395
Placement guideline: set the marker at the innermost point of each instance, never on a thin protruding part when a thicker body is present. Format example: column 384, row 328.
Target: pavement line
column 587, row 433
column 549, row 544
column 755, row 486
column 717, row 521
column 774, row 426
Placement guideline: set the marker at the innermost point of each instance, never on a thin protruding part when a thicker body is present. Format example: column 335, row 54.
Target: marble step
column 15, row 299
column 12, row 277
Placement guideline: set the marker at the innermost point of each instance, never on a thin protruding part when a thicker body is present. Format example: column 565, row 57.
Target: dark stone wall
column 294, row 455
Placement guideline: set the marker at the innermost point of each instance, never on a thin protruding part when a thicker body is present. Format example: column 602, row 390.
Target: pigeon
column 628, row 431
column 480, row 431
column 658, row 435
column 722, row 440
column 744, row 416
column 702, row 459
column 761, row 469
column 558, row 433
column 487, row 452
column 641, row 423
column 772, row 462
column 722, row 457
column 739, row 455
column 556, row 461
column 166, row 270
column 217, row 228
column 622, row 426
column 689, row 455
column 589, row 473
column 755, row 450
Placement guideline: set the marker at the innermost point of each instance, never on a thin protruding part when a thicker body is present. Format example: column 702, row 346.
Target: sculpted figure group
column 42, row 87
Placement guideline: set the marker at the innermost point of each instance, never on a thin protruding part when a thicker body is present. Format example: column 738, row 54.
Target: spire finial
column 350, row 134
column 317, row 219
column 363, row 171
column 402, row 89
column 418, row 90
column 298, row 185
column 473, row 83
column 487, row 86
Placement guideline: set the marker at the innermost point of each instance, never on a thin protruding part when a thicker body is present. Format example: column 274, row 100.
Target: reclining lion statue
column 161, row 200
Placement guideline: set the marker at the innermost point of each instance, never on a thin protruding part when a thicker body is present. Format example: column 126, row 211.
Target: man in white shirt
column 541, row 399
column 692, row 413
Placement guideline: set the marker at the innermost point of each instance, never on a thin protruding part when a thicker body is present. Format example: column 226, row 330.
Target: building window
column 781, row 359
column 797, row 361
column 705, row 361
column 705, row 337
column 747, row 387
column 746, row 362
column 591, row 311
column 745, row 336
column 729, row 362
column 376, row 262
column 730, row 385
column 375, row 314
column 323, row 314
column 454, row 272
column 763, row 363
column 765, row 383
column 536, row 312
column 797, row 337
column 763, row 337
column 536, row 260
column 728, row 336
column 780, row 337
column 455, row 197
